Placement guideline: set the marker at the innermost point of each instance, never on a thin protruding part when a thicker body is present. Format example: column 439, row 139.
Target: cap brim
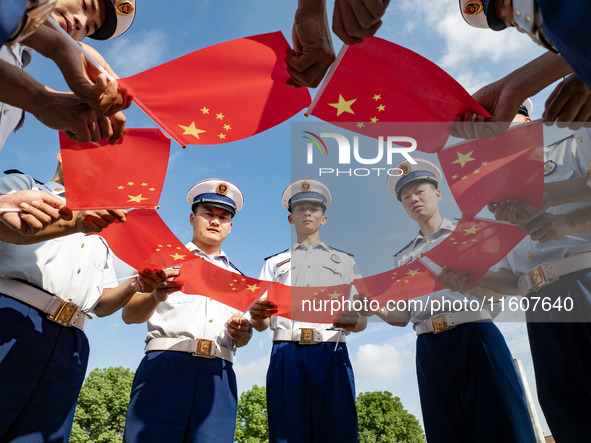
column 106, row 31
column 493, row 20
column 215, row 205
column 414, row 181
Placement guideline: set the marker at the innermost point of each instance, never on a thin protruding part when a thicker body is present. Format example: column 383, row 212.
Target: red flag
column 144, row 241
column 127, row 175
column 402, row 283
column 222, row 93
column 497, row 168
column 476, row 245
column 379, row 81
column 320, row 304
column 232, row 289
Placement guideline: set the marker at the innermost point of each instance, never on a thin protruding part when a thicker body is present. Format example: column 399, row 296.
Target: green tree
column 251, row 420
column 383, row 419
column 102, row 406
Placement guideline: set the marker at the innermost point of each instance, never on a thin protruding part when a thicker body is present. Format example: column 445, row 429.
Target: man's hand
column 354, row 20
column 38, row 210
column 456, row 281
column 569, row 105
column 514, row 211
column 546, row 227
column 263, row 309
column 312, row 52
column 160, row 282
column 346, row 321
column 239, row 329
column 97, row 220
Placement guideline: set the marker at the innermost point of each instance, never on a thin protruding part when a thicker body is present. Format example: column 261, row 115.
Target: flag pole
column 326, row 80
column 4, row 210
column 139, row 104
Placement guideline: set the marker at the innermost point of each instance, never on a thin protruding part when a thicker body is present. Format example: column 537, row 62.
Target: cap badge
column 473, row 7
column 549, row 167
column 405, row 168
column 123, row 7
column 222, row 189
column 335, row 258
column 305, row 186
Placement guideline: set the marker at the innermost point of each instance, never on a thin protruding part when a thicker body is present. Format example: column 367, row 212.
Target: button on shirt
column 317, row 265
column 419, row 246
column 76, row 266
column 567, row 159
column 194, row 315
column 11, row 118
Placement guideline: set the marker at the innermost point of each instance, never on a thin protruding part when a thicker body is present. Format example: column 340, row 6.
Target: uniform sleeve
column 354, row 275
column 16, row 182
column 583, row 153
column 267, row 271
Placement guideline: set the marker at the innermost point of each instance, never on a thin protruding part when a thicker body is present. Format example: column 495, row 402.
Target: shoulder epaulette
column 340, row 250
column 270, row 256
column 405, row 246
column 16, row 171
column 239, row 271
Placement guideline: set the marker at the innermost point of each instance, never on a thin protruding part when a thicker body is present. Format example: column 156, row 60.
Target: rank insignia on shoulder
column 335, row 258
column 406, row 261
column 549, row 167
column 281, row 263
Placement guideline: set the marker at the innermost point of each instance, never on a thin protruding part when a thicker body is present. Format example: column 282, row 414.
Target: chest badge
column 335, row 258
column 549, row 167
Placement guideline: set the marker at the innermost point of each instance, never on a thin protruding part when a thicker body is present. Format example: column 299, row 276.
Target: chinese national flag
column 320, row 304
column 476, row 245
column 144, row 241
column 402, row 283
column 379, row 81
column 510, row 166
column 127, row 175
column 221, row 93
column 232, row 289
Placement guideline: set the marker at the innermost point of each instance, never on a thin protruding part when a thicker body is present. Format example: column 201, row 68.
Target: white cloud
column 252, row 373
column 129, row 56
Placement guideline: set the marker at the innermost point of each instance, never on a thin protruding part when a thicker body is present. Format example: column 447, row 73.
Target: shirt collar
column 446, row 225
column 197, row 251
column 320, row 245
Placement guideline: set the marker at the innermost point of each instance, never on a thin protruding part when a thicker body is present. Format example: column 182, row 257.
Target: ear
column 192, row 218
column 323, row 220
column 290, row 219
column 438, row 194
column 59, row 156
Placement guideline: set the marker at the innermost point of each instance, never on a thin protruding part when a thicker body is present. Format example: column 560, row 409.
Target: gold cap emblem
column 305, row 186
column 222, row 189
column 405, row 168
column 123, row 7
column 473, row 7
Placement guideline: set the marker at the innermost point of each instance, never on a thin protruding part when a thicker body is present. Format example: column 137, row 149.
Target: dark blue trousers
column 469, row 387
column 561, row 352
column 311, row 394
column 42, row 367
column 177, row 397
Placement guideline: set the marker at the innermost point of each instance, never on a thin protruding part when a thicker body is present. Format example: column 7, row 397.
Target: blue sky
column 382, row 356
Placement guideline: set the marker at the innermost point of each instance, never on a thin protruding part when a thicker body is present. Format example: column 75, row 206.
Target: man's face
column 504, row 10
column 211, row 225
column 307, row 217
column 79, row 18
column 420, row 200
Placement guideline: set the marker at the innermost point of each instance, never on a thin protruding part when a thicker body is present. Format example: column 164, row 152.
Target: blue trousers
column 311, row 394
column 42, row 367
column 177, row 397
column 561, row 353
column 469, row 387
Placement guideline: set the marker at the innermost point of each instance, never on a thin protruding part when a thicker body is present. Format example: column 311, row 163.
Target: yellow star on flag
column 136, row 198
column 454, row 176
column 177, row 256
column 343, row 105
column 252, row 287
column 130, row 183
column 476, row 171
column 205, row 110
column 222, row 136
column 334, row 296
column 192, row 130
column 413, row 272
column 377, row 97
column 220, row 116
column 472, row 230
column 144, row 184
column 464, row 158
column 374, row 120
column 227, row 127
column 152, row 189
column 483, row 163
column 120, row 187
column 381, row 108
column 360, row 125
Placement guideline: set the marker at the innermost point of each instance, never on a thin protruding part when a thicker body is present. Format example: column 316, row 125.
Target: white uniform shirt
column 193, row 315
column 76, row 266
column 318, row 265
column 567, row 159
column 11, row 118
column 412, row 251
